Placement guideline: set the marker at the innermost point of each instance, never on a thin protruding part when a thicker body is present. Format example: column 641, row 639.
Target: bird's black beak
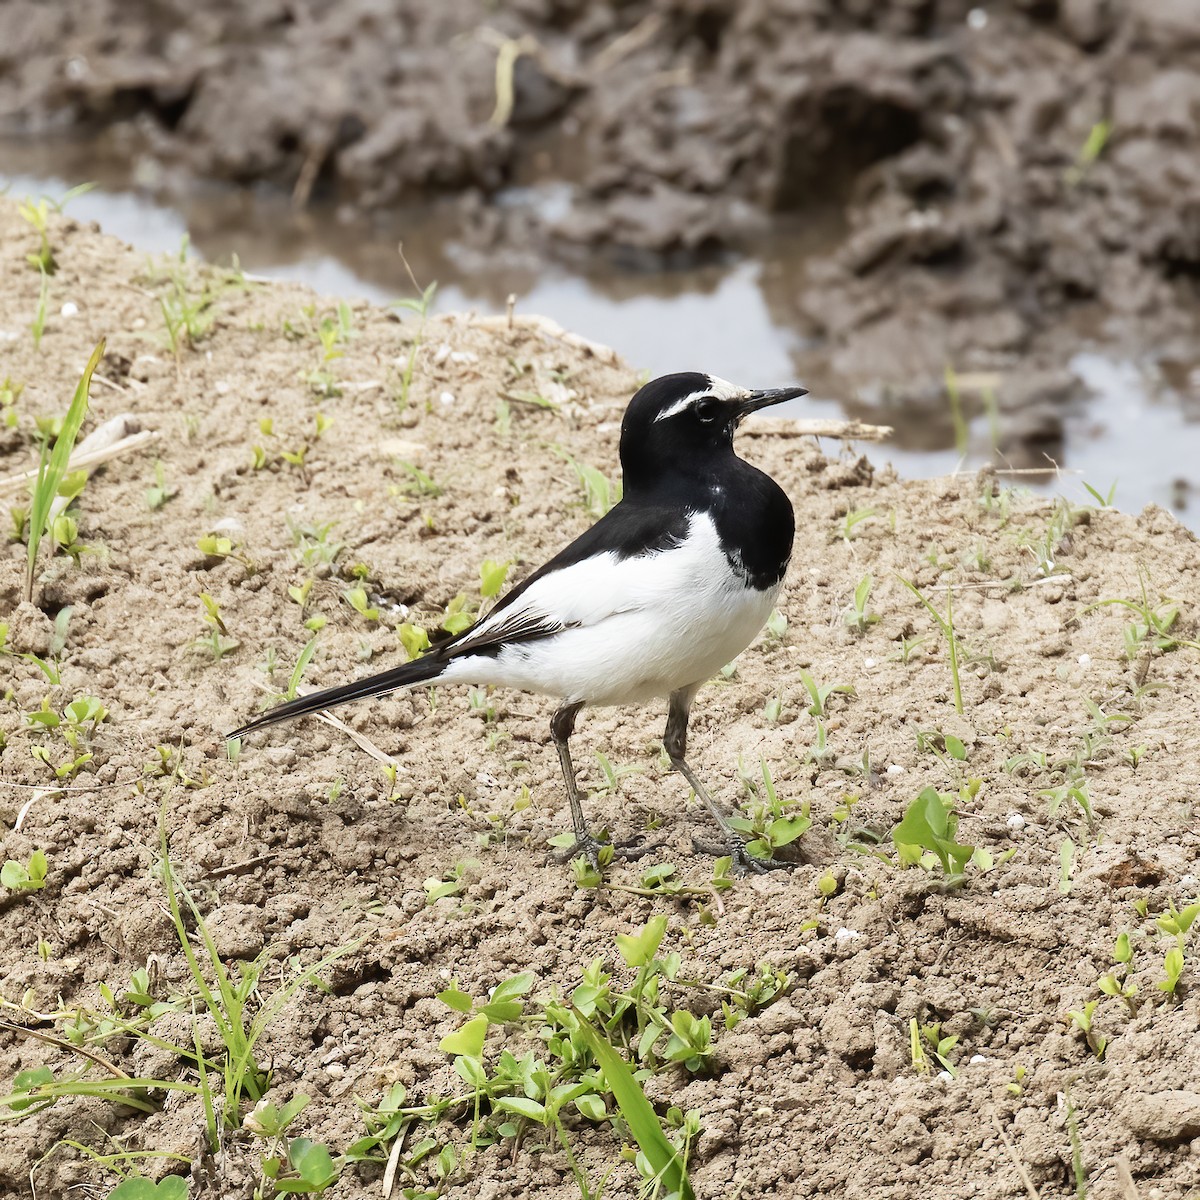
column 766, row 398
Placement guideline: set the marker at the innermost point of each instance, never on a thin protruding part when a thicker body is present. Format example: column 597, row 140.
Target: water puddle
column 1134, row 431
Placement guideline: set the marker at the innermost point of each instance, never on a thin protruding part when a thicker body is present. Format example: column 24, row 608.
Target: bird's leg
column 675, row 744
column 562, row 725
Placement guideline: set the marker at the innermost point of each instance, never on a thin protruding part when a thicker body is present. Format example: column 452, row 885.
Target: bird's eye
column 708, row 410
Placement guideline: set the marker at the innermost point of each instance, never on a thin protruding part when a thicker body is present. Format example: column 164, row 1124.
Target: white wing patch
column 721, row 389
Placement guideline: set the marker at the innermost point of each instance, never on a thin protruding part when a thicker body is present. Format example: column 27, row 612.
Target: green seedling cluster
column 315, row 545
column 10, row 393
column 599, row 495
column 926, row 1042
column 76, row 724
column 214, row 545
column 1154, row 626
column 159, row 492
column 852, row 521
column 858, row 615
column 459, row 614
column 595, row 1047
column 293, row 1165
column 416, row 482
column 818, row 694
column 768, row 821
column 29, row 876
column 927, row 837
column 333, row 334
column 36, row 213
column 187, row 316
column 1118, row 982
column 421, row 306
column 1089, row 153
column 216, row 641
column 1082, row 1019
column 295, row 453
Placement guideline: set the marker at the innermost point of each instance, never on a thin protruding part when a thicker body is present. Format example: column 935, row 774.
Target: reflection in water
column 721, row 318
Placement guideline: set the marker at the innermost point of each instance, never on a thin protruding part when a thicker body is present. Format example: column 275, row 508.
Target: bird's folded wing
column 579, row 594
column 621, row 564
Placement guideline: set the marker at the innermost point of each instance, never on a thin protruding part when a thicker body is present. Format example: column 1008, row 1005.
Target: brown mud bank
column 997, row 169
column 442, row 446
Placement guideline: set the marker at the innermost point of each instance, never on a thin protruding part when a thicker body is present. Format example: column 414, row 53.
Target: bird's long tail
column 421, row 670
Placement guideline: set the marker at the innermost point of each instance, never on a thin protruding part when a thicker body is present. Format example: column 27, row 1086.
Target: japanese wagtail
column 653, row 600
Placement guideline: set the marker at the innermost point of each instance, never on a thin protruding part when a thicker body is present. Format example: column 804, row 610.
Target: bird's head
column 686, row 421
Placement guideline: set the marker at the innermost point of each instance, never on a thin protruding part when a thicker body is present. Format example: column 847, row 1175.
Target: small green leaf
column 173, row 1187
column 467, row 1040
column 639, row 949
column 523, row 1106
column 413, row 638
column 491, row 577
column 457, row 1000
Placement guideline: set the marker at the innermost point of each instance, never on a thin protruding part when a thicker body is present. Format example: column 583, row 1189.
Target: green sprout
column 52, row 468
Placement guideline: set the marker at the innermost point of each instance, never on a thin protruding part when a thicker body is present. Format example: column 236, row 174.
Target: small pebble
column 1015, row 821
column 895, row 769
column 447, row 398
column 977, row 19
column 868, row 663
column 978, row 1058
column 846, row 935
column 69, row 309
column 1085, row 660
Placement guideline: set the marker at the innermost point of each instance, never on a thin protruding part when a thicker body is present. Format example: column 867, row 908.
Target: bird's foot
column 600, row 853
column 743, row 861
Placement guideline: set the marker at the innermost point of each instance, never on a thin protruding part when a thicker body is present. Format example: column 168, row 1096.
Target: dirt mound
column 452, row 442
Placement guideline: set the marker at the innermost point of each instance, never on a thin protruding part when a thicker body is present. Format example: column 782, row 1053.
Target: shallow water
column 1134, row 431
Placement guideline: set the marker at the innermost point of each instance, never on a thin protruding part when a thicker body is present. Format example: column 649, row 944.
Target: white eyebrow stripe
column 720, row 389
column 680, row 405
column 724, row 390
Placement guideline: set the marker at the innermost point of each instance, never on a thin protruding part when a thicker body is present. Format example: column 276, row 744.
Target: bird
column 649, row 603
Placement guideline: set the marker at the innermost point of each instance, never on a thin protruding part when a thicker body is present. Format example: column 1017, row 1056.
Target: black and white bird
column 651, row 602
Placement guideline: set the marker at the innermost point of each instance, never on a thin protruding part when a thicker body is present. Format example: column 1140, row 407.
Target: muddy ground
column 988, row 174
column 303, row 844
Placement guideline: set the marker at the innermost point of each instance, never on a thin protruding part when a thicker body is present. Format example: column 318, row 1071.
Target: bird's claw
column 599, row 854
column 743, row 861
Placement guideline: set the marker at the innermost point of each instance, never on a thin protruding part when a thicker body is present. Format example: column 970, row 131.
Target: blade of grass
column 946, row 625
column 635, row 1108
column 52, row 468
